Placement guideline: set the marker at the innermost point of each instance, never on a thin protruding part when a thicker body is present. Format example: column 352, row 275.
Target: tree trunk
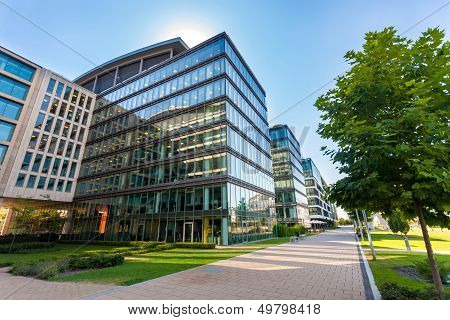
column 426, row 238
column 408, row 247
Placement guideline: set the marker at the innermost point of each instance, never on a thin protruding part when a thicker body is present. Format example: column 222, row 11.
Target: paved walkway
column 21, row 288
column 326, row 266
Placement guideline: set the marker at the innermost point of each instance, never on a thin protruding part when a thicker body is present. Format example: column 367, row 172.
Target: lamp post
column 368, row 235
column 359, row 224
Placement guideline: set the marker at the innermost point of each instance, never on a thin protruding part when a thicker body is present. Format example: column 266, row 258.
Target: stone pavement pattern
column 325, row 266
column 18, row 288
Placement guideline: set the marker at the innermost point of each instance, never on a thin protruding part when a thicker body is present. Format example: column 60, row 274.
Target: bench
column 294, row 239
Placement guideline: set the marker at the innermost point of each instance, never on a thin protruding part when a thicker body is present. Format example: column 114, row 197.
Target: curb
column 368, row 272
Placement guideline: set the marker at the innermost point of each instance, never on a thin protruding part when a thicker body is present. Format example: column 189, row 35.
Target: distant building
column 319, row 207
column 44, row 121
column 290, row 201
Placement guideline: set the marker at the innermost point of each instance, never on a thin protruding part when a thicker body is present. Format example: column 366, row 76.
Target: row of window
column 13, row 88
column 48, row 165
column 83, row 102
column 182, row 145
column 287, row 169
column 15, row 67
column 175, row 67
column 60, row 128
column 291, row 183
column 285, row 143
column 244, row 147
column 6, row 130
column 164, row 173
column 243, row 70
column 213, row 69
column 43, row 183
column 72, row 113
column 63, row 148
column 247, row 128
column 290, row 197
column 243, row 171
column 10, row 109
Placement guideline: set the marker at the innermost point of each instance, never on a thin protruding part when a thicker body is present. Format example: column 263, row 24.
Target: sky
column 295, row 48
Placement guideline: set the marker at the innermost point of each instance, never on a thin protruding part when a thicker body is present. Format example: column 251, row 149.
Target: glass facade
column 291, row 197
column 319, row 207
column 179, row 153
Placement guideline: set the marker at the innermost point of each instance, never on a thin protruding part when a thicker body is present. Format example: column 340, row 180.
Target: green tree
column 388, row 116
column 399, row 224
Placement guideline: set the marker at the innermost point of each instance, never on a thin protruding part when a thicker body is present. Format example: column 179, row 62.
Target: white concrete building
column 44, row 121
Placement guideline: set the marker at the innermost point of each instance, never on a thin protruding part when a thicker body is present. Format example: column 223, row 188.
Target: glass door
column 188, row 234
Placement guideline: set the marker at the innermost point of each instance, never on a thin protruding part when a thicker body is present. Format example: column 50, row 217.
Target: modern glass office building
column 178, row 149
column 291, row 202
column 319, row 207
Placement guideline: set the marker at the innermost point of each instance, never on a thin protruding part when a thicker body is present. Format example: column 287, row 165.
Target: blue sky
column 293, row 47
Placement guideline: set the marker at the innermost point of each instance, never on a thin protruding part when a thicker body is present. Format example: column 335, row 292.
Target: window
column 64, row 168
column 51, row 86
column 60, row 185
column 54, row 106
column 76, row 154
column 62, row 143
column 55, row 168
column 65, row 132
column 37, row 163
column 62, row 110
column 73, row 134
column 81, row 135
column 89, row 102
column 31, row 181
column 39, row 121
column 69, row 149
column 43, row 142
column 20, row 180
column 6, row 130
column 51, row 184
column 33, row 140
column 59, row 89
column 26, row 161
column 13, row 88
column 10, row 109
column 15, row 67
column 47, row 162
column 69, row 186
column 74, row 96
column 73, row 166
column 45, row 103
column 52, row 146
column 67, row 93
column 70, row 113
column 82, row 100
column 58, row 126
column 78, row 115
column 41, row 182
column 3, row 150
column 49, row 123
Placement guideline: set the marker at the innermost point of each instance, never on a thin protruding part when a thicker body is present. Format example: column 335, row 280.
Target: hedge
column 22, row 247
column 47, row 269
column 43, row 237
column 282, row 230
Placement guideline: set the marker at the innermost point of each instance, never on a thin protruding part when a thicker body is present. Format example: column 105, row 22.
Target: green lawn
column 384, row 268
column 152, row 265
column 440, row 240
column 58, row 252
column 266, row 243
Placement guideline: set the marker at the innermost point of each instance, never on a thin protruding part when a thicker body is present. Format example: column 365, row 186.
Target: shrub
column 43, row 237
column 194, row 245
column 22, row 247
column 282, row 230
column 424, row 270
column 40, row 270
column 393, row 291
column 95, row 261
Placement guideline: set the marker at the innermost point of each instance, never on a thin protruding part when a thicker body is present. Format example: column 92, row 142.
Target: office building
column 43, row 128
column 290, row 201
column 319, row 207
column 178, row 149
